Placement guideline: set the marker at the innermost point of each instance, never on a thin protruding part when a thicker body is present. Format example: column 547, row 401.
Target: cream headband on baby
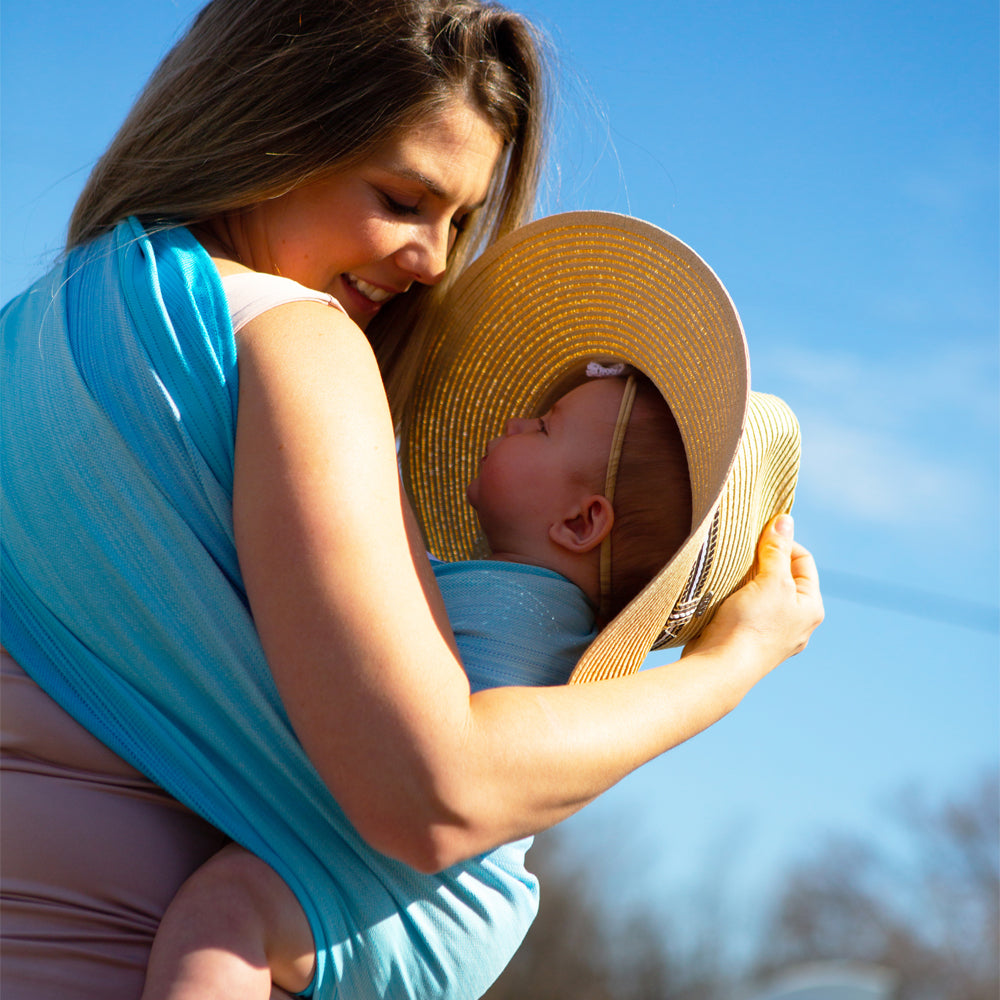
column 595, row 370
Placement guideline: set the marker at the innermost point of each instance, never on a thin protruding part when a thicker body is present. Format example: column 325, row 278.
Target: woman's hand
column 771, row 617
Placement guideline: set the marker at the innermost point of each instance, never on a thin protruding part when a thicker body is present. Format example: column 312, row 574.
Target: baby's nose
column 517, row 425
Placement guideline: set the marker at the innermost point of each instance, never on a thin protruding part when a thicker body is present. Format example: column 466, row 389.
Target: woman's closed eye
column 406, row 210
column 397, row 207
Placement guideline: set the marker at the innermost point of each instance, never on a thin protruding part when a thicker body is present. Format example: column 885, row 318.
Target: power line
column 914, row 601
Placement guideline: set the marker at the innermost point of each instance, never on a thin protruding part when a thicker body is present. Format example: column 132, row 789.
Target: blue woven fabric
column 515, row 624
column 123, row 599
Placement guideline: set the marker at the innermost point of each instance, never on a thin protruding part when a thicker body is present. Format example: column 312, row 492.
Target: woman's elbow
column 428, row 843
column 438, row 850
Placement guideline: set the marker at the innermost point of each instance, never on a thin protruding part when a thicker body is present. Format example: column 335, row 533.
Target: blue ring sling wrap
column 134, row 617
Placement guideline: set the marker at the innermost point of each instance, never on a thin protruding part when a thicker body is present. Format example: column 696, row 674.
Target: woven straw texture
column 519, row 326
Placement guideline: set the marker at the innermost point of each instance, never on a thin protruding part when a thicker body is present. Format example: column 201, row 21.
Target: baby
column 580, row 508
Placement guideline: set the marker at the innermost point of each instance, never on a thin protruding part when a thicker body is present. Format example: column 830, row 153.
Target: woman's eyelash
column 397, row 207
column 402, row 209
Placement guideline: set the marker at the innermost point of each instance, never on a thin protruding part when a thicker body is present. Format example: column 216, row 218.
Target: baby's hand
column 773, row 616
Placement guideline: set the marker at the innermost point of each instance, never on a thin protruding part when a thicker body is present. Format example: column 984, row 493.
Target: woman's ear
column 585, row 526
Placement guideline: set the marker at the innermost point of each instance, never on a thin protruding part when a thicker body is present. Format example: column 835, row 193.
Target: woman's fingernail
column 784, row 525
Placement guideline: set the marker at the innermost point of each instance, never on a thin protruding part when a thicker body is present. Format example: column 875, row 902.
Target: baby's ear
column 585, row 526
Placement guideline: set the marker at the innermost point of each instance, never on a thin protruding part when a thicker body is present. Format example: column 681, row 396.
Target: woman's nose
column 425, row 256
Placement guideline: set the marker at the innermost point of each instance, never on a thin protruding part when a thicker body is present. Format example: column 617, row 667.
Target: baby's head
column 600, row 476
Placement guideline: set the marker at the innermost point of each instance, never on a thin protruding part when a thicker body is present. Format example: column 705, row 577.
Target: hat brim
column 720, row 555
column 528, row 314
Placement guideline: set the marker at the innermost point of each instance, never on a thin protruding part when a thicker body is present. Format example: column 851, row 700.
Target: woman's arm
column 358, row 641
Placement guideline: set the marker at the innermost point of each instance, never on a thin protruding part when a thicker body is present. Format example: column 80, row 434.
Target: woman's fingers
column 779, row 555
column 805, row 574
column 778, row 610
column 789, row 580
column 775, row 546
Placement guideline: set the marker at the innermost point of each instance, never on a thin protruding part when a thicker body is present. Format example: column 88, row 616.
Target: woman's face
column 366, row 233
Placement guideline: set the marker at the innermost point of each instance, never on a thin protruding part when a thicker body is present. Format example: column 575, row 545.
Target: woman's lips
column 371, row 292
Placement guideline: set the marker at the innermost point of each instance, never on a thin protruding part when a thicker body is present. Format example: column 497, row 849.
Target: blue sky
column 836, row 164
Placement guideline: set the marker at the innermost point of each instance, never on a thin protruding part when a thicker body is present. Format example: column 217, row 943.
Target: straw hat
column 519, row 325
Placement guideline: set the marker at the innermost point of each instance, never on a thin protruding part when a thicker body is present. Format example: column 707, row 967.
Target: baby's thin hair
column 652, row 501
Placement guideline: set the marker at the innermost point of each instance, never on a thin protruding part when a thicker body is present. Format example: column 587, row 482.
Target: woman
column 153, row 498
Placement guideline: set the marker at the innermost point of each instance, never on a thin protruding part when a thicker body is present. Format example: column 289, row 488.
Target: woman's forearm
column 544, row 753
column 530, row 757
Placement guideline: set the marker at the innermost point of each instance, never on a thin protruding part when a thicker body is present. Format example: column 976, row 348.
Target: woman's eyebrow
column 411, row 174
column 433, row 188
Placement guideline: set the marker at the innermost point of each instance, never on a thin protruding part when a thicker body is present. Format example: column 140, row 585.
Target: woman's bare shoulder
column 225, row 267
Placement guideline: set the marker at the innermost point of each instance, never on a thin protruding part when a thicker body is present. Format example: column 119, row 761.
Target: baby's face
column 532, row 474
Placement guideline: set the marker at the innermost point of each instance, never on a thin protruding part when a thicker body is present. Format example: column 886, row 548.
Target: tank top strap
column 250, row 293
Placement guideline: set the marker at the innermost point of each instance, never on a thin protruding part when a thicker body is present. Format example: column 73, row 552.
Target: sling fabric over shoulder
column 119, row 420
